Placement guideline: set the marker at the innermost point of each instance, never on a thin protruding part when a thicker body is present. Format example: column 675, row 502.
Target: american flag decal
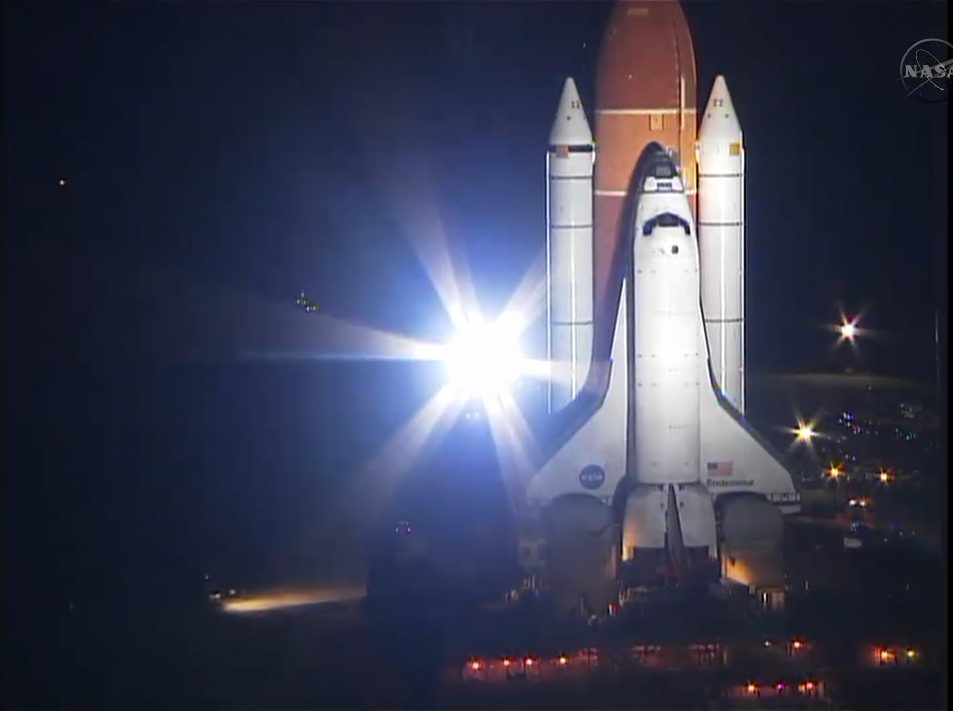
column 720, row 468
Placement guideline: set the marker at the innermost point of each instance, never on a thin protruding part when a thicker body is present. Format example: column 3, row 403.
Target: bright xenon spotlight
column 484, row 359
column 848, row 330
column 804, row 432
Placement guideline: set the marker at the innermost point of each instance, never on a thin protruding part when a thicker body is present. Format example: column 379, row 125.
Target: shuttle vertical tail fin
column 673, row 535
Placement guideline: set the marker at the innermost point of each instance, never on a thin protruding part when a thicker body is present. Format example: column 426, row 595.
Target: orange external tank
column 645, row 92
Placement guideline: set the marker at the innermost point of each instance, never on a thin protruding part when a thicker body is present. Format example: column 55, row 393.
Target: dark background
column 221, row 157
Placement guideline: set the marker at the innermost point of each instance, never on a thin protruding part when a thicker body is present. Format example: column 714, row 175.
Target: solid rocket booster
column 721, row 237
column 569, row 163
column 645, row 92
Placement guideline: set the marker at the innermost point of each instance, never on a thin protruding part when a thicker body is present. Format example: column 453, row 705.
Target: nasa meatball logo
column 925, row 70
column 592, row 477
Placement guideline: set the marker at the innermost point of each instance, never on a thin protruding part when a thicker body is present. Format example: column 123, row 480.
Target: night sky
column 221, row 157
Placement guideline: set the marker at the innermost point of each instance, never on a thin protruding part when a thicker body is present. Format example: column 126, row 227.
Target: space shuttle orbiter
column 649, row 423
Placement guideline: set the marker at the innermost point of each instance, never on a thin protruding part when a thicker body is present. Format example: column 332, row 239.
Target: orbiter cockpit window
column 666, row 219
column 663, row 169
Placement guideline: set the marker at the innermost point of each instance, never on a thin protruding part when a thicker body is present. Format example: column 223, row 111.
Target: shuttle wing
column 593, row 428
column 735, row 458
column 591, row 432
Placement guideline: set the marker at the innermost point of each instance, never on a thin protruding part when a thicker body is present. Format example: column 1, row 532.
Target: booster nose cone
column 720, row 120
column 570, row 128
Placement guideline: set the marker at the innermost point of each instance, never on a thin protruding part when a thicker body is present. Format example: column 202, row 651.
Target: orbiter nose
column 720, row 120
column 570, row 128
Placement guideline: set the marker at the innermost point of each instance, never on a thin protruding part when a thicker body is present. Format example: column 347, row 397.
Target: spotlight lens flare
column 848, row 330
column 484, row 360
column 804, row 432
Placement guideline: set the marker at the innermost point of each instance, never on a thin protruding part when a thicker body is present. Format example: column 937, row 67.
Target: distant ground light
column 270, row 600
